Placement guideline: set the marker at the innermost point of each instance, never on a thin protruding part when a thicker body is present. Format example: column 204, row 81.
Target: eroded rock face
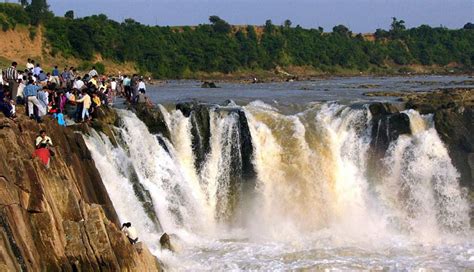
column 453, row 111
column 59, row 218
column 387, row 125
column 153, row 119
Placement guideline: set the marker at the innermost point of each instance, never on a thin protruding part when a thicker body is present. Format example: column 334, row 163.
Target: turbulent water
column 314, row 201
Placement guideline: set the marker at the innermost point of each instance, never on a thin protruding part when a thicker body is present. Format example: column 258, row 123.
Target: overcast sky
column 358, row 15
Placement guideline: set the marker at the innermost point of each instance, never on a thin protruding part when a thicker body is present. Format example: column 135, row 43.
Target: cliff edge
column 61, row 218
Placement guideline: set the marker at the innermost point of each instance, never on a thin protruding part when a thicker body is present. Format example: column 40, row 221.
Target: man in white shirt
column 21, row 86
column 130, row 232
column 93, row 72
column 113, row 85
column 141, row 85
column 29, row 65
column 37, row 70
column 78, row 83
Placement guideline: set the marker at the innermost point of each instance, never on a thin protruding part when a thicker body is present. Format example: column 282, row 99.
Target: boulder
column 153, row 118
column 200, row 130
column 387, row 125
column 165, row 242
column 207, row 84
column 455, row 127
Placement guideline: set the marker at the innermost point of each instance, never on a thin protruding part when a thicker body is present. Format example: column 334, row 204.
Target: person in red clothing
column 43, row 144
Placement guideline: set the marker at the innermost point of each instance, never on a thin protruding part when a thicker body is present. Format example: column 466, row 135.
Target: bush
column 100, row 67
column 33, row 32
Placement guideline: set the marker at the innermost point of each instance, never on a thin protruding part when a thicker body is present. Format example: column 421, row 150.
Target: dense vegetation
column 218, row 46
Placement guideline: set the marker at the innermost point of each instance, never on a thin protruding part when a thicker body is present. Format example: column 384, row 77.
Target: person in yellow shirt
column 94, row 81
column 86, row 104
column 96, row 100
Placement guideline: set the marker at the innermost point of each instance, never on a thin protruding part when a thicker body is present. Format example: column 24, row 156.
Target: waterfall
column 311, row 169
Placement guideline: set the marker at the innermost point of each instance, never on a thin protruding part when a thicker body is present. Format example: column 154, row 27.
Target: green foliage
column 69, row 14
column 220, row 26
column 38, row 11
column 15, row 13
column 218, row 47
column 100, row 67
column 33, row 32
column 5, row 22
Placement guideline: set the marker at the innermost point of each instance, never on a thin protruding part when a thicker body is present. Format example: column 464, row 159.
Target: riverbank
column 305, row 73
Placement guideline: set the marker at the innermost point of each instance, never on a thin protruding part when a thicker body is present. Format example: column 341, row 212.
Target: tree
column 38, row 11
column 287, row 23
column 24, row 3
column 219, row 25
column 469, row 26
column 397, row 25
column 396, row 28
column 69, row 14
column 269, row 27
column 342, row 30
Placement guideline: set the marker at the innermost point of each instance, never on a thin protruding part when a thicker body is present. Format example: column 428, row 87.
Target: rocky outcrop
column 453, row 111
column 200, row 129
column 153, row 119
column 61, row 218
column 207, row 84
column 387, row 125
column 201, row 132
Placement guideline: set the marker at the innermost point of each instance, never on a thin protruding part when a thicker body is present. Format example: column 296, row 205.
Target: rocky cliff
column 453, row 115
column 61, row 218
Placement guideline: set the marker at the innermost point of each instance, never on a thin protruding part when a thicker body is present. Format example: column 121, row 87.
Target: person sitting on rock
column 130, row 232
column 7, row 106
column 43, row 141
column 43, row 152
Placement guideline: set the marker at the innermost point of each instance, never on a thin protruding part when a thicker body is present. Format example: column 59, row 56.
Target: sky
column 359, row 15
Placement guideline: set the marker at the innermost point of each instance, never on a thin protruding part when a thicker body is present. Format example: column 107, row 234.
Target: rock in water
column 207, row 84
column 165, row 242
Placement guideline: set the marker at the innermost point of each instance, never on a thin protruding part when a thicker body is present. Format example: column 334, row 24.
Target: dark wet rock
column 200, row 129
column 165, row 242
column 368, row 86
column 242, row 172
column 456, row 128
column 207, row 84
column 454, row 121
column 153, row 119
column 144, row 197
column 387, row 125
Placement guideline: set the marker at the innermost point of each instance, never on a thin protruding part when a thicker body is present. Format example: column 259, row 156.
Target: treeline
column 174, row 52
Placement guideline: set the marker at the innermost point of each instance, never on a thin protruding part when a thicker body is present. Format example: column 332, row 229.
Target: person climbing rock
column 130, row 232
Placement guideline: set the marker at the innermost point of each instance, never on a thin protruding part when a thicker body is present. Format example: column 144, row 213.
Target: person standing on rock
column 37, row 70
column 130, row 232
column 30, row 65
column 12, row 79
column 55, row 76
column 93, row 72
column 30, row 94
column 87, row 102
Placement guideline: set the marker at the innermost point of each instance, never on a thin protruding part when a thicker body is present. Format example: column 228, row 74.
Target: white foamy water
column 314, row 206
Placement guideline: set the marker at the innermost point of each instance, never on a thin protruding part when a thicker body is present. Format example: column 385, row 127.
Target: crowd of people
column 64, row 94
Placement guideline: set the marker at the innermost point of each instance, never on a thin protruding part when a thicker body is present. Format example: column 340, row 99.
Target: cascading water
column 314, row 202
